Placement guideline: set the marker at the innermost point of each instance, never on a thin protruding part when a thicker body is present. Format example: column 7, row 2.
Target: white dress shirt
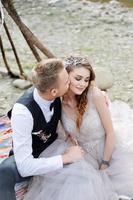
column 22, row 125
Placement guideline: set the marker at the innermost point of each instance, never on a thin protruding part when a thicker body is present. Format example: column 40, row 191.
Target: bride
column 104, row 132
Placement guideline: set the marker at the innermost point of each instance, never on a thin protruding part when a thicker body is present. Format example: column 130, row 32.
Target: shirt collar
column 39, row 100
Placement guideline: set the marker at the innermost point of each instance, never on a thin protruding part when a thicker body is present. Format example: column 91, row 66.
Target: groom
column 34, row 120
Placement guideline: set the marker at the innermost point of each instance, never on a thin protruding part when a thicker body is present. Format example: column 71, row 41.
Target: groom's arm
column 22, row 125
column 107, row 100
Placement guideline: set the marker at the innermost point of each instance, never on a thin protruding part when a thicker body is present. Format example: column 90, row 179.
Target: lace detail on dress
column 91, row 127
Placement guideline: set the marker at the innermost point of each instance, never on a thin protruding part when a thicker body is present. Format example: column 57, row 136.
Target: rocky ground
column 103, row 32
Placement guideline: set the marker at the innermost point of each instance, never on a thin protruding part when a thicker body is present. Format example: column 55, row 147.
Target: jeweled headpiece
column 73, row 61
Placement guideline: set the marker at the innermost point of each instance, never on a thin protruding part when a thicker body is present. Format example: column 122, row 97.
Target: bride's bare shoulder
column 98, row 96
column 96, row 92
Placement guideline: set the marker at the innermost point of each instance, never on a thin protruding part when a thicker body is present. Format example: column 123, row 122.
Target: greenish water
column 128, row 3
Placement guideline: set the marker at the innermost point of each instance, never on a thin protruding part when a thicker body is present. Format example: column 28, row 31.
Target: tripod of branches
column 32, row 41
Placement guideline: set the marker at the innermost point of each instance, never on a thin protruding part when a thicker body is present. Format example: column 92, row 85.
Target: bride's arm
column 105, row 116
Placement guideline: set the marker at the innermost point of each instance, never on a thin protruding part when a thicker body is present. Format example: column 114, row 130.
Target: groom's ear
column 54, row 92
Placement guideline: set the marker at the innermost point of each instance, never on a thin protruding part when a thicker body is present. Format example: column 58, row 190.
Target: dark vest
column 43, row 133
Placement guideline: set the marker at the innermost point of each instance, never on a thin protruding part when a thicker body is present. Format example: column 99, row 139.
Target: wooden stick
column 31, row 39
column 5, row 60
column 33, row 49
column 15, row 52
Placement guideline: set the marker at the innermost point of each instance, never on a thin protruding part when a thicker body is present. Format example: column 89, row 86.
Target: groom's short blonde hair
column 45, row 74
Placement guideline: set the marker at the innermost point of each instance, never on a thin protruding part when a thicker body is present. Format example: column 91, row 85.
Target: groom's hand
column 72, row 154
column 107, row 100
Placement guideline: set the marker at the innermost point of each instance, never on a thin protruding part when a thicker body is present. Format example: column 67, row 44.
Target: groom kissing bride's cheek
column 94, row 159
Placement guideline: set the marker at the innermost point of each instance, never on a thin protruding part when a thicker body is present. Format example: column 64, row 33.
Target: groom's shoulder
column 20, row 106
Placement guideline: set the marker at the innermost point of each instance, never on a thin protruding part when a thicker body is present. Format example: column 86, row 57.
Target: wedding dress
column 82, row 180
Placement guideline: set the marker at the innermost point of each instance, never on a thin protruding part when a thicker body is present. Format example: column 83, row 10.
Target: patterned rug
column 5, row 147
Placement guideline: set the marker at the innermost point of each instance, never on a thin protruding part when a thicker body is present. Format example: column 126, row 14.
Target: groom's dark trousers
column 9, row 176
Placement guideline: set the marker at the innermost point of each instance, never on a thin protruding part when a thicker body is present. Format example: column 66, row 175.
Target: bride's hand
column 103, row 167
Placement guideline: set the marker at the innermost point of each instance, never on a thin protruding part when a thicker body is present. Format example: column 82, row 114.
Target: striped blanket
column 5, row 147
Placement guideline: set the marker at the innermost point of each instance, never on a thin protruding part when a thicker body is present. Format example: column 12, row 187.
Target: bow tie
column 51, row 106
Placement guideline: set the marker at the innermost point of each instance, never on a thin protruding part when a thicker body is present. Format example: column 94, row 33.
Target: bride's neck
column 69, row 97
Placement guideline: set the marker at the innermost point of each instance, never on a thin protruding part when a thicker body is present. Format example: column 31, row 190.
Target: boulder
column 22, row 84
column 104, row 78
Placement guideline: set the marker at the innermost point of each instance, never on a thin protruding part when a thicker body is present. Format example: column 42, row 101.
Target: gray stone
column 130, row 86
column 104, row 78
column 22, row 84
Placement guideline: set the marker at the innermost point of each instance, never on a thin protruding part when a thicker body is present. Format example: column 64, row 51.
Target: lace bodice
column 91, row 131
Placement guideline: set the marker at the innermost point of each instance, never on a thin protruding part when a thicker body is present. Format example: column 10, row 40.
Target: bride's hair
column 72, row 63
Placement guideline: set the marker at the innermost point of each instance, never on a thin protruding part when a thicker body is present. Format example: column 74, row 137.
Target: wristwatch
column 105, row 162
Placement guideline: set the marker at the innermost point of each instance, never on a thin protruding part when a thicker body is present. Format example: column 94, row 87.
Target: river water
column 128, row 3
column 101, row 30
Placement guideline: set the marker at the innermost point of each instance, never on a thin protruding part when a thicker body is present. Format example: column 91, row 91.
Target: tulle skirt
column 78, row 180
column 121, row 166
